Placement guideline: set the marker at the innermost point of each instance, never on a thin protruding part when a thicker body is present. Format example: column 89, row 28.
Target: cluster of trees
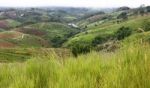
column 142, row 10
column 123, row 8
column 123, row 32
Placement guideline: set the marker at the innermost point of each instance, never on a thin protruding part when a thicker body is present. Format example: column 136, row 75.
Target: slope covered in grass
column 137, row 38
column 18, row 39
column 107, row 29
column 9, row 55
column 9, row 23
column 126, row 68
column 54, row 33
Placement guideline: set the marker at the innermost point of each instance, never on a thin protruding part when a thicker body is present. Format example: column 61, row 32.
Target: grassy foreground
column 128, row 67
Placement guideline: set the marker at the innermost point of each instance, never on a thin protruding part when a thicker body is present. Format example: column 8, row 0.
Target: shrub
column 57, row 41
column 123, row 32
column 100, row 39
column 123, row 16
column 146, row 25
column 80, row 48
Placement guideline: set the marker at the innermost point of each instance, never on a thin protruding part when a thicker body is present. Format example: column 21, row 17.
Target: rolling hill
column 106, row 31
column 8, row 23
column 18, row 39
column 54, row 33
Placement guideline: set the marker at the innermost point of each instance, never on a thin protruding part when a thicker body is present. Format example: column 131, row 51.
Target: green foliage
column 123, row 16
column 80, row 48
column 107, row 29
column 100, row 39
column 146, row 25
column 13, row 23
column 123, row 32
column 58, row 41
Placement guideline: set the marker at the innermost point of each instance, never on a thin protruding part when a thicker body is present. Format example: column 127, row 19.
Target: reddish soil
column 95, row 18
column 6, row 45
column 32, row 31
column 9, row 35
column 3, row 24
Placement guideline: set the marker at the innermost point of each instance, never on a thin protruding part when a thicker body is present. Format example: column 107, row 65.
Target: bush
column 146, row 25
column 100, row 39
column 80, row 48
column 123, row 16
column 123, row 32
column 57, row 41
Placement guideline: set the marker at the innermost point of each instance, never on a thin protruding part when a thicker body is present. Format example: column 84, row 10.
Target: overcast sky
column 73, row 3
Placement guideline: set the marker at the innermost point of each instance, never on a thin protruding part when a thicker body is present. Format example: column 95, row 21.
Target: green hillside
column 106, row 29
column 17, row 39
column 54, row 33
column 67, row 47
column 137, row 38
column 8, row 55
column 8, row 24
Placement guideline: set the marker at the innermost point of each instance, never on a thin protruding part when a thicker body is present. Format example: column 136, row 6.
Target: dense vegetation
column 126, row 68
column 74, row 48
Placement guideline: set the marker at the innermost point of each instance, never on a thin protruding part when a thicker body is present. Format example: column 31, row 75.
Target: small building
column 72, row 25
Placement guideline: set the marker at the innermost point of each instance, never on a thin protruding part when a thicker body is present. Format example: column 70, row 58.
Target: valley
column 67, row 47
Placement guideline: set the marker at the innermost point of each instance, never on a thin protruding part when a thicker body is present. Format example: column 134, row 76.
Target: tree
column 123, row 32
column 148, row 8
column 123, row 8
column 123, row 16
column 142, row 10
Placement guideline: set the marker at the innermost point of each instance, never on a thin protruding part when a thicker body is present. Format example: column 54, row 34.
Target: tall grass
column 128, row 67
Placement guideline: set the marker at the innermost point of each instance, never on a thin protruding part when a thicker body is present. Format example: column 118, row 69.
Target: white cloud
column 74, row 3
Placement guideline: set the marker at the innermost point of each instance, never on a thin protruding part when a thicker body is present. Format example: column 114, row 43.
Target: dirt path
column 22, row 36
